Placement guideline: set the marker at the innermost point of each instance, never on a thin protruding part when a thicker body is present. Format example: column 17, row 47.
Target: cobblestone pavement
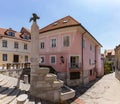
column 105, row 91
column 79, row 91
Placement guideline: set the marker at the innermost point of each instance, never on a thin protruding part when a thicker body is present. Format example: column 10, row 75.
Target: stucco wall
column 11, row 51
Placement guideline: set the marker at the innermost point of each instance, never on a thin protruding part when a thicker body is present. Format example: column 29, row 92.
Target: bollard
column 26, row 79
column 22, row 98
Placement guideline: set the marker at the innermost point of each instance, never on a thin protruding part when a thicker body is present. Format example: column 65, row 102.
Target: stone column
column 34, row 56
column 34, row 47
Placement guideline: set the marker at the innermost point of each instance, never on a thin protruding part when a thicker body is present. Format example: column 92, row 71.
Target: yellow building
column 14, row 47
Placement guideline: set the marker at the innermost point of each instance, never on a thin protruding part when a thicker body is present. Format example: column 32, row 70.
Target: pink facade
column 71, row 50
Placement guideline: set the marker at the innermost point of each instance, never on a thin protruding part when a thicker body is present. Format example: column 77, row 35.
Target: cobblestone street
column 105, row 91
column 79, row 91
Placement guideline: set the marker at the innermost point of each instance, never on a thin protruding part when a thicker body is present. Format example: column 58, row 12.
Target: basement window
column 74, row 75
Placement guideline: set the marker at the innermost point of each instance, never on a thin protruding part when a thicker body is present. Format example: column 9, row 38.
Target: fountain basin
column 66, row 93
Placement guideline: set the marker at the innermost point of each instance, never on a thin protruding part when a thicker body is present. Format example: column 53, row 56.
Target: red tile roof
column 67, row 21
column 64, row 22
column 17, row 34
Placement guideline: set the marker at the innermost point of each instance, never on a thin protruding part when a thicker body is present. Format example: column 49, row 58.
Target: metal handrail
column 74, row 65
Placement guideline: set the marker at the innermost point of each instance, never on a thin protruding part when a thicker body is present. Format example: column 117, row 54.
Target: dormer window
column 55, row 23
column 11, row 34
column 26, row 36
column 65, row 21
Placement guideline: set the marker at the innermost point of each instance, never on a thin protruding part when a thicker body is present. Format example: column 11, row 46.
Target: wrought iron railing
column 74, row 65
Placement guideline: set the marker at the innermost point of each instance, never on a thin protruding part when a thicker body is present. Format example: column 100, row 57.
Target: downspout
column 82, row 58
column 95, row 60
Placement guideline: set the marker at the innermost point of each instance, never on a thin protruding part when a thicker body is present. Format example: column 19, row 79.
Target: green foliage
column 107, row 67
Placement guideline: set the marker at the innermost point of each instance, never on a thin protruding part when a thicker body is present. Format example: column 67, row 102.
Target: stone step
column 5, row 81
column 1, row 79
column 9, row 83
column 10, row 97
column 5, row 87
column 15, row 101
column 2, row 89
column 32, row 102
column 6, row 92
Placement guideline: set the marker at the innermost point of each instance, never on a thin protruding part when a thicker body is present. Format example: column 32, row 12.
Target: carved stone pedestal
column 45, row 86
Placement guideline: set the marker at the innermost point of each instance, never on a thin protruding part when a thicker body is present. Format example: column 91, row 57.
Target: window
column 52, row 59
column 42, row 59
column 4, row 43
column 11, row 34
column 42, row 45
column 16, row 45
column 25, row 46
column 89, row 61
column 66, row 41
column 83, row 43
column 4, row 57
column 26, row 58
column 74, row 62
column 74, row 75
column 53, row 43
column 27, row 37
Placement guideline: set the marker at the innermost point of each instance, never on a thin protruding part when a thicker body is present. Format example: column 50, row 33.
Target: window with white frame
column 53, row 43
column 42, row 45
column 66, row 41
column 52, row 59
column 42, row 59
column 4, row 43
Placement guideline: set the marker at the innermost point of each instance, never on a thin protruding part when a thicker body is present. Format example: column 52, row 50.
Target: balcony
column 74, row 65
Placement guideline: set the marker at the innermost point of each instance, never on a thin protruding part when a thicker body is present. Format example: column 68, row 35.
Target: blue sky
column 100, row 17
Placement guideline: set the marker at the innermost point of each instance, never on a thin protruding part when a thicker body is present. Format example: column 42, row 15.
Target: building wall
column 11, row 51
column 117, row 62
column 66, row 52
column 75, row 49
column 89, row 57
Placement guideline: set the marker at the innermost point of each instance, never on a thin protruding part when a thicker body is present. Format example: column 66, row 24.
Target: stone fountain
column 44, row 85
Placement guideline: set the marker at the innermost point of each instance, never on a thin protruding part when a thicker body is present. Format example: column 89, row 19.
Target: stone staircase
column 9, row 90
column 11, row 94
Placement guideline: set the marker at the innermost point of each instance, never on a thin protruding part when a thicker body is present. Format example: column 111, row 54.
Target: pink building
column 71, row 50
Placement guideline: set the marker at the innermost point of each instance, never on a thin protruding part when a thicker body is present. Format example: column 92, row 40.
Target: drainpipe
column 95, row 59
column 82, row 58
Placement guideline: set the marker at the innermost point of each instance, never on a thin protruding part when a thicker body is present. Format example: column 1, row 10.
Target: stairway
column 9, row 92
